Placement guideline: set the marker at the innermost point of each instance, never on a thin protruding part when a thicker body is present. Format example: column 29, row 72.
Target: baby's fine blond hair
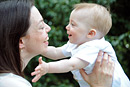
column 99, row 16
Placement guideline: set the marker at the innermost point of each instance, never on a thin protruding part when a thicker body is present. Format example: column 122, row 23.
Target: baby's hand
column 40, row 70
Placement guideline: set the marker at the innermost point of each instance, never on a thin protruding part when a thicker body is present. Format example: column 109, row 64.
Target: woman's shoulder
column 12, row 80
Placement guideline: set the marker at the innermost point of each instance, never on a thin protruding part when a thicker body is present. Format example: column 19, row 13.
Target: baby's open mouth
column 70, row 35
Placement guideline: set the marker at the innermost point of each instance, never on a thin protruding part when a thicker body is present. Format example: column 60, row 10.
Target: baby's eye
column 72, row 24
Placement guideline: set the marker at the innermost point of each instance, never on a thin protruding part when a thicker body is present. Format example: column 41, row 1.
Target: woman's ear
column 91, row 33
column 21, row 43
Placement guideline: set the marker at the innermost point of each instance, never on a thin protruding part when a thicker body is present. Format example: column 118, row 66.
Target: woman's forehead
column 35, row 15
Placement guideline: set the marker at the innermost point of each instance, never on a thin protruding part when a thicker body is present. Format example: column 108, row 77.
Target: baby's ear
column 91, row 33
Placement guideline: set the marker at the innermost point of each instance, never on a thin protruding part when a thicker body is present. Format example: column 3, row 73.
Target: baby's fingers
column 36, row 78
column 40, row 60
column 38, row 68
column 35, row 73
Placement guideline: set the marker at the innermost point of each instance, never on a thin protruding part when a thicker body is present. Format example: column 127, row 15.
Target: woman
column 20, row 25
column 23, row 35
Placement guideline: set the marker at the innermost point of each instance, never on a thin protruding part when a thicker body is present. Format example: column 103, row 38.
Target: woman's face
column 36, row 39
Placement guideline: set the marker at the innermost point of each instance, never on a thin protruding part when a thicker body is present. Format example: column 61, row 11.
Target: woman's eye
column 42, row 28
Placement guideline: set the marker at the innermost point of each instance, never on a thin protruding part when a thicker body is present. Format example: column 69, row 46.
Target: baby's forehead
column 82, row 13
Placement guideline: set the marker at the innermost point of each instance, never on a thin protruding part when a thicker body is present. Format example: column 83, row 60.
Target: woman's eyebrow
column 40, row 21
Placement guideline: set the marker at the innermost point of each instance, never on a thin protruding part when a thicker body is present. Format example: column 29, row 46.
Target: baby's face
column 77, row 29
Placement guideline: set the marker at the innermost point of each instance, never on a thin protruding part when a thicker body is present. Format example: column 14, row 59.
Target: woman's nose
column 48, row 28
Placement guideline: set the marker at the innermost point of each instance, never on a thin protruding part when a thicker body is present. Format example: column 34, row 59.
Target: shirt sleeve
column 88, row 54
column 67, row 48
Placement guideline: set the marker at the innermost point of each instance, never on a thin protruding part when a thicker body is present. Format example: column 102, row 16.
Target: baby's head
column 94, row 16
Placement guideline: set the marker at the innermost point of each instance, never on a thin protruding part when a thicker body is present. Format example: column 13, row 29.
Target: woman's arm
column 102, row 73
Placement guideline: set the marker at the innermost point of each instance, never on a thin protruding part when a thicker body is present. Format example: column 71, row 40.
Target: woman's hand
column 102, row 73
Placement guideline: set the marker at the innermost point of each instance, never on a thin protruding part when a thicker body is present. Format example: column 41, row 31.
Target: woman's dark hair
column 14, row 23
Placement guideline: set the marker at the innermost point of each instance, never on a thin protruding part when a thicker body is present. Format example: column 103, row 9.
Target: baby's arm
column 53, row 53
column 61, row 66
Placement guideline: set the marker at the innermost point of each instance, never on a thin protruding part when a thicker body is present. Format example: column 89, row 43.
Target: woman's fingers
column 104, row 60
column 99, row 59
column 111, row 65
column 84, row 74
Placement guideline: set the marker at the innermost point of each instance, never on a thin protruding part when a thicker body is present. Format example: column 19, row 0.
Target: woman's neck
column 25, row 57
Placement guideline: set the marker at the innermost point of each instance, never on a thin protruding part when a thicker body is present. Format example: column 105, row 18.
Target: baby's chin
column 72, row 42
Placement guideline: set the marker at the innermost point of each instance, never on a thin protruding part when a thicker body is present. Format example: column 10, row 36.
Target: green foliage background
column 56, row 14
